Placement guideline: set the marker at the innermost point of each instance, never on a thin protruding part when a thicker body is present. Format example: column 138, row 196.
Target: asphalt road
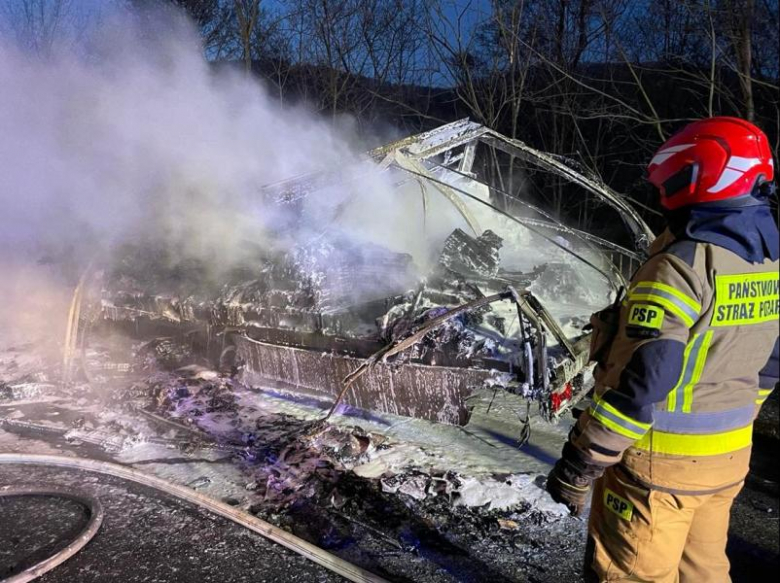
column 146, row 537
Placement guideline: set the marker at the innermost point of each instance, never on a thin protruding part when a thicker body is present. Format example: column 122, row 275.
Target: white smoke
column 131, row 135
column 99, row 144
column 134, row 131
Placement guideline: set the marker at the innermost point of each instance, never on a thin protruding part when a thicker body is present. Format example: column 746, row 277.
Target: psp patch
column 646, row 316
column 617, row 504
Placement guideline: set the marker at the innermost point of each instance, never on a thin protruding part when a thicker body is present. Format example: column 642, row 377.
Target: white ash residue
column 287, row 458
column 271, row 451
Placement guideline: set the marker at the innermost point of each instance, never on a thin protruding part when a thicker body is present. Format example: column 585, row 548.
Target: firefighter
column 683, row 364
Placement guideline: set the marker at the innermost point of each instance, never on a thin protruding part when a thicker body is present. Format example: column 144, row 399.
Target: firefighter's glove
column 571, row 479
column 573, row 495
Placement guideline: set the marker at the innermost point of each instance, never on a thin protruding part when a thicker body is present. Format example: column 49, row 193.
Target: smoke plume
column 132, row 136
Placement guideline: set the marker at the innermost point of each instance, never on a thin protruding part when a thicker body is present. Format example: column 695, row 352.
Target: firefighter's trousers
column 636, row 534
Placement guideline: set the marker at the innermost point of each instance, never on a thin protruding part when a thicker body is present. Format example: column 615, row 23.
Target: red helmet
column 709, row 160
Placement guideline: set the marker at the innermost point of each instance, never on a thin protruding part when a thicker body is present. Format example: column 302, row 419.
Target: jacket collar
column 748, row 231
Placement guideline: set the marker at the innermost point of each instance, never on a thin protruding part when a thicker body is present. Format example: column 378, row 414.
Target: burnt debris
column 469, row 256
column 304, row 318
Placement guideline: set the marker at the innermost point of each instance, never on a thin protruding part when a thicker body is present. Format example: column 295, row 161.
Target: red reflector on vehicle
column 558, row 399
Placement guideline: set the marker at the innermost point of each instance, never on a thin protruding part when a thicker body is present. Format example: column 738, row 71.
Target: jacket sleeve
column 645, row 361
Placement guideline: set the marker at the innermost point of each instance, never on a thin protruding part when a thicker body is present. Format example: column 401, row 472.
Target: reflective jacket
column 694, row 356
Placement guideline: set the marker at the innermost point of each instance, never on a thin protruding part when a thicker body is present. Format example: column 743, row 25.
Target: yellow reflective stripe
column 671, row 399
column 763, row 395
column 668, row 304
column 686, row 299
column 697, row 444
column 698, row 367
column 616, row 420
column 617, row 428
column 602, row 404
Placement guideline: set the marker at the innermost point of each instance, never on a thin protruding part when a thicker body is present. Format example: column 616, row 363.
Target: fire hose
column 87, row 534
column 290, row 541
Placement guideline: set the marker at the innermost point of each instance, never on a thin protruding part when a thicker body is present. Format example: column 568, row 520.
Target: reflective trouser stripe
column 617, row 421
column 694, row 358
column 763, row 395
column 697, row 444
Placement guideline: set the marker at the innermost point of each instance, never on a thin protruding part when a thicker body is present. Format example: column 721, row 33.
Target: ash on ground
column 405, row 498
column 385, row 493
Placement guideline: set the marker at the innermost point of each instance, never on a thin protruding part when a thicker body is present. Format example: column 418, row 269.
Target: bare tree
column 600, row 81
column 740, row 13
column 39, row 24
column 247, row 12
